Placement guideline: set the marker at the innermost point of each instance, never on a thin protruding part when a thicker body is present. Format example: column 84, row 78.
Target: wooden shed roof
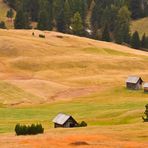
column 61, row 118
column 133, row 79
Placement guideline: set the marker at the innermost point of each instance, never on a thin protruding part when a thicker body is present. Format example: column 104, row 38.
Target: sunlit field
column 82, row 77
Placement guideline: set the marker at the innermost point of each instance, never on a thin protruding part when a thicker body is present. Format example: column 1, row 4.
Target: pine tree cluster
column 29, row 130
column 107, row 20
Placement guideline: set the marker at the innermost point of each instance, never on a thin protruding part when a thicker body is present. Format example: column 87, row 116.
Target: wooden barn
column 134, row 82
column 65, row 121
column 145, row 87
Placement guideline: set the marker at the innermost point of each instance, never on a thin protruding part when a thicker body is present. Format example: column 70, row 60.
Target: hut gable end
column 63, row 120
column 134, row 82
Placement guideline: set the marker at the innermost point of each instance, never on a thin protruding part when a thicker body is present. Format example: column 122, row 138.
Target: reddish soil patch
column 74, row 93
column 67, row 141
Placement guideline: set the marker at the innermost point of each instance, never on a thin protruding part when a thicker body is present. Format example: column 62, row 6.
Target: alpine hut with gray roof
column 65, row 121
column 145, row 87
column 134, row 82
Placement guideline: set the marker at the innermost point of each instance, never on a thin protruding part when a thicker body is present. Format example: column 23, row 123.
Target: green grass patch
column 106, row 51
column 99, row 111
column 11, row 93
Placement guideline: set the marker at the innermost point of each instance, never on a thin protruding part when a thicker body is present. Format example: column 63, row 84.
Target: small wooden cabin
column 134, row 82
column 64, row 121
column 145, row 87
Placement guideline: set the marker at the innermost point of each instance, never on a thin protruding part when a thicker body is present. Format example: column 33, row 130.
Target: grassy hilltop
column 63, row 73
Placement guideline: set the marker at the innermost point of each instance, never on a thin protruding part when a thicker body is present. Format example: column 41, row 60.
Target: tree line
column 107, row 20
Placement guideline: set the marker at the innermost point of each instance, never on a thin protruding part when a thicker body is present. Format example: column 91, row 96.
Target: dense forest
column 107, row 20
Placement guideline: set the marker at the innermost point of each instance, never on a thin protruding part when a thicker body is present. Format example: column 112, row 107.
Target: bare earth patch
column 68, row 141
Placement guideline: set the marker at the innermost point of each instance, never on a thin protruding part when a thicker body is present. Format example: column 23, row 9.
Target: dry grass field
column 63, row 73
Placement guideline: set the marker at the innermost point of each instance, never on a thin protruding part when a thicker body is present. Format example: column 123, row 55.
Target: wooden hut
column 65, row 121
column 145, row 87
column 134, row 82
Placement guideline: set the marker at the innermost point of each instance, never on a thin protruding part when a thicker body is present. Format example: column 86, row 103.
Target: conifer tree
column 21, row 20
column 77, row 24
column 145, row 117
column 135, row 40
column 44, row 18
column 105, row 34
column 67, row 14
column 43, row 21
column 2, row 25
column 61, row 25
column 10, row 13
column 136, row 8
column 143, row 41
column 122, row 29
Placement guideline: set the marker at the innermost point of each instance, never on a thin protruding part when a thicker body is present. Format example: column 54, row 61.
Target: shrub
column 135, row 40
column 33, row 34
column 145, row 117
column 29, row 130
column 82, row 124
column 2, row 25
column 41, row 36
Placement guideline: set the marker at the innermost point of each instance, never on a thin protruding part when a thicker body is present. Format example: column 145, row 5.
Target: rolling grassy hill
column 63, row 73
column 141, row 26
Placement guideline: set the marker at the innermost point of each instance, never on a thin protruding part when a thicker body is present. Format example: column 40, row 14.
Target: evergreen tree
column 122, row 29
column 2, row 25
column 143, row 41
column 145, row 117
column 34, row 9
column 10, row 13
column 67, row 14
column 61, row 25
column 43, row 21
column 113, row 17
column 44, row 18
column 96, row 17
column 21, row 20
column 77, row 25
column 135, row 40
column 146, row 46
column 105, row 34
column 136, row 8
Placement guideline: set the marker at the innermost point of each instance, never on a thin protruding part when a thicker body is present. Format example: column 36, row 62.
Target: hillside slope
column 65, row 66
column 141, row 26
column 63, row 73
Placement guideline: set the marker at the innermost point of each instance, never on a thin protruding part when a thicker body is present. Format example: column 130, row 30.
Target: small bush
column 2, row 25
column 29, row 130
column 41, row 36
column 33, row 34
column 145, row 117
column 82, row 124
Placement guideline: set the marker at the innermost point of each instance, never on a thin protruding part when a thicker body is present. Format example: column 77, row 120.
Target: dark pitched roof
column 61, row 118
column 133, row 79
